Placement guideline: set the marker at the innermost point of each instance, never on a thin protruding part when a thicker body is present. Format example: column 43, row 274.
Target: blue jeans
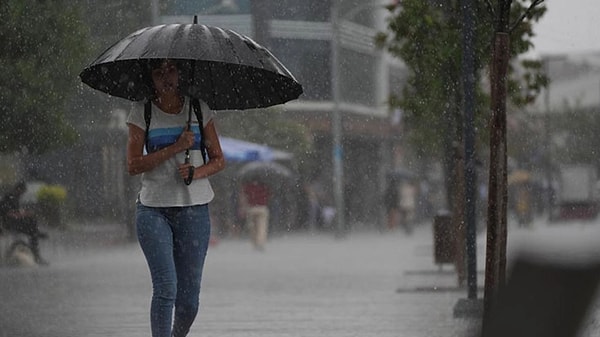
column 174, row 241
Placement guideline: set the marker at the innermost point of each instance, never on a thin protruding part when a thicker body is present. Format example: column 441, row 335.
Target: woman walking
column 172, row 218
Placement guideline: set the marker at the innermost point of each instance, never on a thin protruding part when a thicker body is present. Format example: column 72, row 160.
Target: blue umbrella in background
column 236, row 150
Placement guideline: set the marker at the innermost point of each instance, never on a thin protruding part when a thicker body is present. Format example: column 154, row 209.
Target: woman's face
column 166, row 78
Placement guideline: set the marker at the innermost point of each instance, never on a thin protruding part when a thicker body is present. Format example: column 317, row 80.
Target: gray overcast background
column 569, row 26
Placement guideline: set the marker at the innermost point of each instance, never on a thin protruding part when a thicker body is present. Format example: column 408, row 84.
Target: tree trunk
column 495, row 267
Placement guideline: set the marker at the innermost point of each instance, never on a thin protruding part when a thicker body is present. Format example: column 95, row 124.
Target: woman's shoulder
column 206, row 111
column 136, row 114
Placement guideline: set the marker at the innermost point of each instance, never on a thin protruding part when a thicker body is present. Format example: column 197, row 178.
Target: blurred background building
column 328, row 45
column 302, row 35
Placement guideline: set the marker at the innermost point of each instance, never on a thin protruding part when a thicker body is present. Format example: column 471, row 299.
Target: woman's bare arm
column 216, row 160
column 138, row 163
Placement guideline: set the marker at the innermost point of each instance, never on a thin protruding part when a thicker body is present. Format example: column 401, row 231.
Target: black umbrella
column 227, row 70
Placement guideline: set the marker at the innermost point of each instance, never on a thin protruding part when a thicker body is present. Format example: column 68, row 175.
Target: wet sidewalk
column 302, row 285
column 367, row 284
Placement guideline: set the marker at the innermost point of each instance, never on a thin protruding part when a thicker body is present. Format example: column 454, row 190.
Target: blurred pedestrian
column 172, row 217
column 328, row 210
column 391, row 201
column 17, row 219
column 313, row 206
column 408, row 204
column 523, row 205
column 257, row 212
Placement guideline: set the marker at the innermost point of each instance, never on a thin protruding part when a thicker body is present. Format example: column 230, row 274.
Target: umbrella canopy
column 266, row 171
column 236, row 150
column 240, row 151
column 401, row 174
column 227, row 70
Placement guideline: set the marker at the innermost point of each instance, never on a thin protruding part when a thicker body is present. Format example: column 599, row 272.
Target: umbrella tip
column 196, row 19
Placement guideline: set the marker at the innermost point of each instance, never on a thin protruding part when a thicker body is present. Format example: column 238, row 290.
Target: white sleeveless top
column 163, row 186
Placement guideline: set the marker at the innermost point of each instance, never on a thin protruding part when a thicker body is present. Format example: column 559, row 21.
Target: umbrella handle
column 187, row 151
column 190, row 176
column 188, row 180
column 188, row 128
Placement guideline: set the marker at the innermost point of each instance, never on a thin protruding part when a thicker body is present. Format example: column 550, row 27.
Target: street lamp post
column 547, row 168
column 154, row 11
column 336, row 123
column 337, row 147
column 547, row 136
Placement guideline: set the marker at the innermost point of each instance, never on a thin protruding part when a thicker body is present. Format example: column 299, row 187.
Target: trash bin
column 443, row 238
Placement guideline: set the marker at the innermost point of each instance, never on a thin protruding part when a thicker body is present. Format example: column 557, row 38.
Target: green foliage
column 52, row 194
column 43, row 45
column 427, row 36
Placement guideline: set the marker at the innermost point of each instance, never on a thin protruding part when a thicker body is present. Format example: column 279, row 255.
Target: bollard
column 443, row 238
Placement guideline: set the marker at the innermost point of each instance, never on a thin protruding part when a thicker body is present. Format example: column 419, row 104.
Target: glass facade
column 309, row 10
column 205, row 7
column 300, row 34
column 358, row 11
column 309, row 61
column 357, row 78
column 304, row 10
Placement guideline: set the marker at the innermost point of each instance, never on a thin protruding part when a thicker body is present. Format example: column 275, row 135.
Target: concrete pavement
column 303, row 285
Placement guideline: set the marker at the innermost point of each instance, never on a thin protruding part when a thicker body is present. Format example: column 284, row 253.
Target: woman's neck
column 171, row 104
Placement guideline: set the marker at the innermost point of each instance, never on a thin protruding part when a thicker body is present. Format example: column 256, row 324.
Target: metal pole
column 469, row 134
column 548, row 198
column 547, row 134
column 154, row 9
column 336, row 123
column 337, row 147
